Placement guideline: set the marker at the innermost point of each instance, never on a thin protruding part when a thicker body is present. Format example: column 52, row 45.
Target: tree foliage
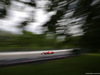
column 4, row 5
column 88, row 11
column 91, row 28
column 85, row 13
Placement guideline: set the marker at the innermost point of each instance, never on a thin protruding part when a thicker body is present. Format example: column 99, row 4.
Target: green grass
column 88, row 63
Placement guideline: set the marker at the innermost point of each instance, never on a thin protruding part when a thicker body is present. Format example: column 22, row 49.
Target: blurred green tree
column 4, row 5
column 90, row 9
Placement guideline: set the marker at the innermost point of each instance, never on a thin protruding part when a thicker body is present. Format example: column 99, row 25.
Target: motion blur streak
column 31, row 52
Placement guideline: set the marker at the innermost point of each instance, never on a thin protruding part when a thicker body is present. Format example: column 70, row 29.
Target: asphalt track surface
column 9, row 58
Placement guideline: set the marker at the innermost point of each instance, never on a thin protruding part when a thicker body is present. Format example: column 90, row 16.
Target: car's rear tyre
column 44, row 53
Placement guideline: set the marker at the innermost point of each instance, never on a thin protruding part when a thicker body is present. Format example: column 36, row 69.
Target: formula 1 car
column 49, row 52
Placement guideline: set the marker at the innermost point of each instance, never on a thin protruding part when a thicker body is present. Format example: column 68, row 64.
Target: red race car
column 49, row 52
